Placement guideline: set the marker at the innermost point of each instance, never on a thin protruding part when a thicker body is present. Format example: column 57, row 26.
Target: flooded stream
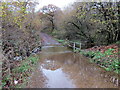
column 62, row 68
column 59, row 67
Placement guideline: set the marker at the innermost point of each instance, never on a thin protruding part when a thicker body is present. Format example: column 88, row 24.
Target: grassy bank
column 104, row 56
column 17, row 76
column 108, row 60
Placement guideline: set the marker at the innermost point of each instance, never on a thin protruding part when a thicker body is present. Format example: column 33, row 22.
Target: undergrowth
column 108, row 60
column 17, row 76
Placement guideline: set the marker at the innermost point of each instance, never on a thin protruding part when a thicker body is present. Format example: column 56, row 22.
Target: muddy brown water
column 59, row 67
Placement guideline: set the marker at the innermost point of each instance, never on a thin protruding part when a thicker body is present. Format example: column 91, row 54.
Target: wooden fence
column 74, row 45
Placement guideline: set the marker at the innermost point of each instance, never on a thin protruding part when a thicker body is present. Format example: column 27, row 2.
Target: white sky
column 60, row 3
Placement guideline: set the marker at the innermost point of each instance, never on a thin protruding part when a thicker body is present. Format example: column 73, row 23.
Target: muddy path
column 59, row 67
column 47, row 40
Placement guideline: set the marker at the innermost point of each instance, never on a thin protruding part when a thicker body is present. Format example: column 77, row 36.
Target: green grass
column 103, row 59
column 64, row 42
column 22, row 72
column 118, row 42
column 61, row 41
column 26, row 64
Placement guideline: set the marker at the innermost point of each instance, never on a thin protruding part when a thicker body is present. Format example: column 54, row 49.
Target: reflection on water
column 65, row 69
column 57, row 79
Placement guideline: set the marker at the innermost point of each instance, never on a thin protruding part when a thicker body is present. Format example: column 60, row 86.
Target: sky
column 62, row 3
column 59, row 3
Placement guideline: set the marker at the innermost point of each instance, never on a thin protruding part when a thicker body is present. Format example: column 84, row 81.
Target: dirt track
column 47, row 40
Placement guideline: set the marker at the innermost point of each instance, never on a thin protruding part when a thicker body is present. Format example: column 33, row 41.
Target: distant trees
column 48, row 17
column 93, row 22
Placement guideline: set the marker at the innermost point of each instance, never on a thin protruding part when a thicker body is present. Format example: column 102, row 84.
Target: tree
column 96, row 23
column 18, row 32
column 19, row 36
column 48, row 15
column 108, row 17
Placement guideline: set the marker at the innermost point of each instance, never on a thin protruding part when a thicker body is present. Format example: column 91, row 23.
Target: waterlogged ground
column 59, row 67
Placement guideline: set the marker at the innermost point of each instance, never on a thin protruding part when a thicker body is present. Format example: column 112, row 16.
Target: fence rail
column 71, row 44
column 74, row 45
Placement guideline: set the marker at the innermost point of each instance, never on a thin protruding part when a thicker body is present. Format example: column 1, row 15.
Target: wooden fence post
column 80, row 46
column 74, row 47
